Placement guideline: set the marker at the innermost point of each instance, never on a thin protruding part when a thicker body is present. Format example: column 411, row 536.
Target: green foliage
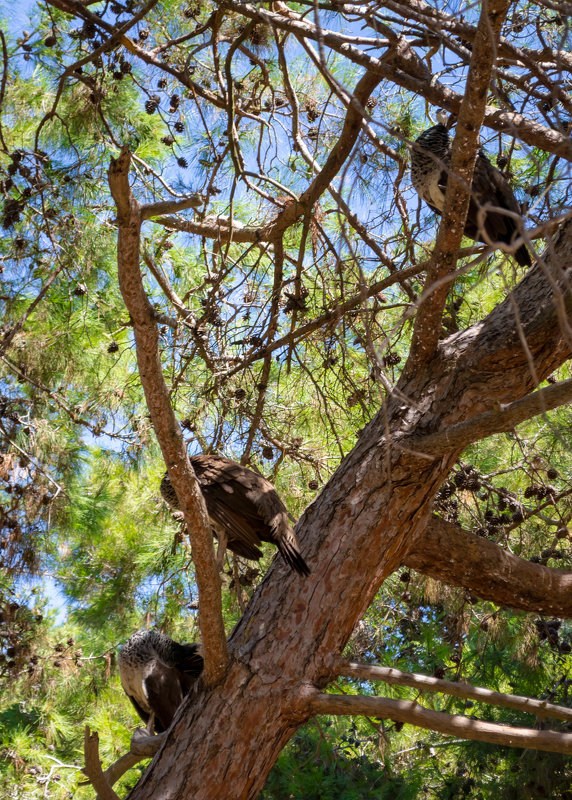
column 315, row 767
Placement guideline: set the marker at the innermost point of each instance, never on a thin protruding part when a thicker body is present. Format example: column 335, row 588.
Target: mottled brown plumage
column 243, row 507
column 156, row 674
column 429, row 173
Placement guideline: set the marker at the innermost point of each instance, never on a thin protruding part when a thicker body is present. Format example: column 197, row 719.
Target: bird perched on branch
column 244, row 509
column 430, row 166
column 156, row 674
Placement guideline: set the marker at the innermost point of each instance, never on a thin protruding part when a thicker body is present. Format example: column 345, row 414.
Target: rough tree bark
column 285, row 648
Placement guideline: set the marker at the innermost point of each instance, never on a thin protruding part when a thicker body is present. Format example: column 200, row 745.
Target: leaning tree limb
column 130, row 215
column 426, row 683
column 427, row 326
column 410, row 712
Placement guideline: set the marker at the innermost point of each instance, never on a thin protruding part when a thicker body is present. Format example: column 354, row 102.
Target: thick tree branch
column 427, row 326
column 171, row 206
column 213, row 229
column 512, row 341
column 450, row 554
column 166, row 427
column 426, row 683
column 450, row 724
column 502, row 418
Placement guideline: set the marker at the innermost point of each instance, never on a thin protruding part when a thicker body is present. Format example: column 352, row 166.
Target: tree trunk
column 226, row 739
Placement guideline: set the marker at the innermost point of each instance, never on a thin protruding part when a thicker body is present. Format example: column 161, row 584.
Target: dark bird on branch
column 244, row 509
column 490, row 191
column 156, row 674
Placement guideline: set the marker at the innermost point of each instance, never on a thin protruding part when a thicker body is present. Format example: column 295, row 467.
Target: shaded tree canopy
column 212, row 244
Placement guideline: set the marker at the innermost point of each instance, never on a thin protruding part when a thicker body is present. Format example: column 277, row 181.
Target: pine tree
column 211, row 243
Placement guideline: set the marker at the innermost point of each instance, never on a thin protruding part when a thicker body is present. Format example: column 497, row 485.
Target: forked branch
column 142, row 746
column 93, row 767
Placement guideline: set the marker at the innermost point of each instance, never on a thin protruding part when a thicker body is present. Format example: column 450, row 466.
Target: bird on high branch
column 156, row 674
column 244, row 509
column 490, row 190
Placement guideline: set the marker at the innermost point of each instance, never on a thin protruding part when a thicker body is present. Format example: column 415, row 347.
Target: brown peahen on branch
column 490, row 191
column 156, row 674
column 244, row 509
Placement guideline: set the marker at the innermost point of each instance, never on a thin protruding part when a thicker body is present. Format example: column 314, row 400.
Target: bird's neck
column 436, row 140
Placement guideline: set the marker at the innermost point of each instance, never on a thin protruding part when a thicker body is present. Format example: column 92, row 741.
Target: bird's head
column 444, row 118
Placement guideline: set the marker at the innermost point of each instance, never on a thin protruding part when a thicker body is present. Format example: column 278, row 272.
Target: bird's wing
column 491, row 188
column 272, row 517
column 248, row 507
column 228, row 504
column 442, row 188
column 250, row 495
column 497, row 185
column 164, row 693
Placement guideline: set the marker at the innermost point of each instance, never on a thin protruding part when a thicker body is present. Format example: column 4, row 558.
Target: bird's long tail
column 289, row 547
column 522, row 257
column 294, row 558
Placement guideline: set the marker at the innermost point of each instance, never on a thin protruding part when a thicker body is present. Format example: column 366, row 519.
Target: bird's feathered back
column 245, row 506
column 156, row 673
column 490, row 190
